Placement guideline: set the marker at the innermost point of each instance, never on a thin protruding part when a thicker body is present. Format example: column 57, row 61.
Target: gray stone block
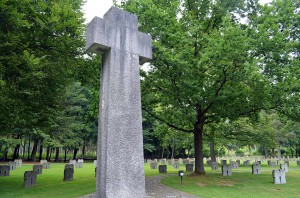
column 68, row 174
column 69, row 166
column 30, row 178
column 46, row 165
column 256, row 168
column 162, row 168
column 12, row 165
column 153, row 165
column 226, row 170
column 4, row 170
column 38, row 169
column 279, row 176
column 189, row 167
column 284, row 167
column 18, row 162
column 176, row 165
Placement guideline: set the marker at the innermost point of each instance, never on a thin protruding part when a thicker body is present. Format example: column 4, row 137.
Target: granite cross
column 120, row 171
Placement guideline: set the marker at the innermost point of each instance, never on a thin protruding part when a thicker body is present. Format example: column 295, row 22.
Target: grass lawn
column 242, row 183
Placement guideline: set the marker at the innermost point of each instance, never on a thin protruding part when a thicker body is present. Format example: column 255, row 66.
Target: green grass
column 241, row 184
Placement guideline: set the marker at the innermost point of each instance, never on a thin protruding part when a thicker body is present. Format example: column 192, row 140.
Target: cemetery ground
column 241, row 184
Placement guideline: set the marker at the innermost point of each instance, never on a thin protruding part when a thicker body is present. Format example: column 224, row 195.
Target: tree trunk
column 41, row 152
column 24, row 149
column 56, row 154
column 5, row 154
column 34, row 150
column 48, row 153
column 212, row 151
column 83, row 149
column 162, row 153
column 75, row 153
column 65, row 158
column 16, row 152
column 273, row 152
column 198, row 145
column 250, row 149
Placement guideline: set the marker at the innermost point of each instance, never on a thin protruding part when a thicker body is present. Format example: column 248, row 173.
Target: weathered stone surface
column 4, row 170
column 69, row 166
column 38, row 169
column 12, row 165
column 68, row 174
column 30, row 178
column 46, row 165
column 116, row 36
column 18, row 162
column 256, row 168
column 246, row 162
column 279, row 176
column 284, row 167
column 162, row 168
column 189, row 167
column 153, row 165
column 226, row 170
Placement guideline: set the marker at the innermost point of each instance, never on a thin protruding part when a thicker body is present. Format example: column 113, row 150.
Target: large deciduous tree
column 207, row 66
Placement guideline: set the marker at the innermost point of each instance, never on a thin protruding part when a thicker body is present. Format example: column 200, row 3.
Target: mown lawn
column 241, row 184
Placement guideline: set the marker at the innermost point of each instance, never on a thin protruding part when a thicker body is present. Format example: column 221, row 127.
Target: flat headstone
column 120, row 136
column 279, row 176
column 4, row 170
column 162, row 168
column 30, row 178
column 38, row 169
column 189, row 167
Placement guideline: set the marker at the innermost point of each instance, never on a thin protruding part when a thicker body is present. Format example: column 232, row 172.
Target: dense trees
column 41, row 47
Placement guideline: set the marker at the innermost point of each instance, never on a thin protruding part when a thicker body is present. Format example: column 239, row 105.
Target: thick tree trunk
column 273, row 152
column 34, row 150
column 250, row 149
column 212, row 150
column 24, row 149
column 41, row 152
column 198, row 145
column 56, row 154
column 48, row 153
column 16, row 152
column 162, row 153
column 5, row 154
column 75, row 153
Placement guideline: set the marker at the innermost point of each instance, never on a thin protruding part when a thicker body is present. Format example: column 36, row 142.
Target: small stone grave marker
column 279, row 176
column 246, row 162
column 226, row 170
column 18, row 162
column 256, row 168
column 68, row 174
column 189, row 167
column 12, row 165
column 153, row 165
column 38, row 169
column 223, row 162
column 175, row 165
column 46, row 165
column 30, row 178
column 4, row 170
column 162, row 168
column 69, row 166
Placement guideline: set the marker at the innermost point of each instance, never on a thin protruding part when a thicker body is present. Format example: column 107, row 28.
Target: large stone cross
column 120, row 165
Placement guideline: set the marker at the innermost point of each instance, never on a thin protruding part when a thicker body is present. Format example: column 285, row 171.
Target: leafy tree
column 201, row 70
